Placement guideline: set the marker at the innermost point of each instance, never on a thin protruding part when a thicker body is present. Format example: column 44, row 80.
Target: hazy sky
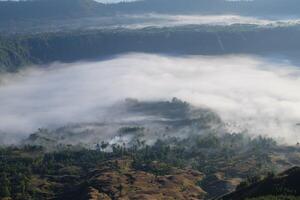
column 113, row 1
column 102, row 1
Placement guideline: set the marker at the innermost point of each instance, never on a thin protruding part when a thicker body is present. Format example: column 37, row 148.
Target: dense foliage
column 30, row 172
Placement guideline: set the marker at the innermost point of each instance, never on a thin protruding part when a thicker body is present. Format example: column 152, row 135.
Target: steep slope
column 200, row 40
column 284, row 184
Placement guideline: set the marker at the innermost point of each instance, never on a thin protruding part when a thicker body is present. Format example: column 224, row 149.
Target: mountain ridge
column 39, row 49
column 66, row 9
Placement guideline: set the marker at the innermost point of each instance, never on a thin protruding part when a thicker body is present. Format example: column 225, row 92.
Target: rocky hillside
column 117, row 179
column 29, row 173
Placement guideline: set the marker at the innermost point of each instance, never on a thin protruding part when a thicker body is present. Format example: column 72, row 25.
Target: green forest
column 31, row 172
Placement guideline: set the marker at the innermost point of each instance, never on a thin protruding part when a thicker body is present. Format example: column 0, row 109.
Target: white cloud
column 163, row 20
column 248, row 92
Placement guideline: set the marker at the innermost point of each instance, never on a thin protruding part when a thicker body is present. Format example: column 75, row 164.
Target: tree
column 4, row 186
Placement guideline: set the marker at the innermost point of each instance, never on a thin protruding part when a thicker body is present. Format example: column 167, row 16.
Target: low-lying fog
column 164, row 20
column 139, row 21
column 253, row 93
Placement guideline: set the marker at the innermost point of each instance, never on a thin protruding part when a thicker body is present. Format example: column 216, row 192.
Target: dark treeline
column 20, row 50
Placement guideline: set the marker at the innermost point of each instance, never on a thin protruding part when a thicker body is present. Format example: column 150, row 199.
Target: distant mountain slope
column 49, row 9
column 284, row 184
column 53, row 15
column 18, row 51
column 243, row 7
column 61, row 9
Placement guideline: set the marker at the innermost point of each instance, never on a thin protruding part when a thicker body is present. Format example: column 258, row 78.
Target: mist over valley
column 150, row 99
column 249, row 93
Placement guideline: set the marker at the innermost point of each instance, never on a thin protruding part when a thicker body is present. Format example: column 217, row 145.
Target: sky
column 113, row 1
column 101, row 1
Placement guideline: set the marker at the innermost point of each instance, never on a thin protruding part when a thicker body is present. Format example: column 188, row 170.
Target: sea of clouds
column 164, row 20
column 139, row 21
column 252, row 93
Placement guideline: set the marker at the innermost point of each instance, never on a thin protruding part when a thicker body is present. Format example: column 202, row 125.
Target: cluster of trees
column 29, row 172
column 14, row 175
column 201, row 152
column 21, row 168
column 16, row 187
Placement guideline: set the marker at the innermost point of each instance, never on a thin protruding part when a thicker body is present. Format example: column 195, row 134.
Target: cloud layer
column 248, row 92
column 164, row 20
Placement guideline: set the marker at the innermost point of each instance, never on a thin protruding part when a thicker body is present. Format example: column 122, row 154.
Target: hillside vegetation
column 195, row 168
column 282, row 186
column 20, row 50
column 66, row 9
column 204, row 163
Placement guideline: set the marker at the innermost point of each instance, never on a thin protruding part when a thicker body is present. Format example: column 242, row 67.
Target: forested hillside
column 84, row 109
column 19, row 50
column 49, row 9
column 64, row 9
column 198, row 167
column 282, row 186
